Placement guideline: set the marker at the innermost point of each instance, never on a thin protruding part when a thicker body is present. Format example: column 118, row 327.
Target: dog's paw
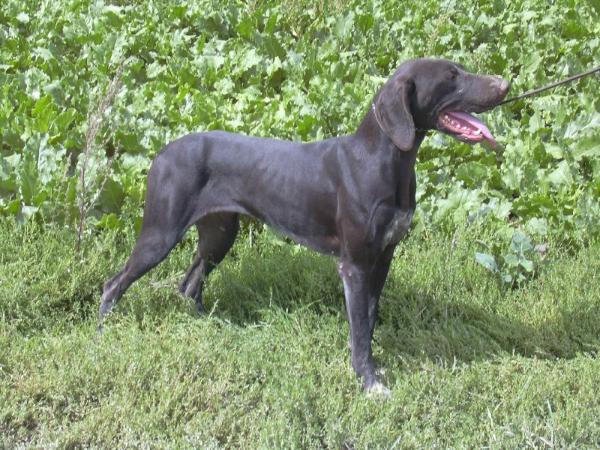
column 377, row 389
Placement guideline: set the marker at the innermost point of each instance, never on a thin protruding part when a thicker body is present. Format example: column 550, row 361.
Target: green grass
column 470, row 363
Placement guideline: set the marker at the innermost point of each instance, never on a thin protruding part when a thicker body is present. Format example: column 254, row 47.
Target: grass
column 470, row 363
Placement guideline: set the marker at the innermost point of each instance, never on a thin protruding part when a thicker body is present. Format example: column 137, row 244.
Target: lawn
column 470, row 362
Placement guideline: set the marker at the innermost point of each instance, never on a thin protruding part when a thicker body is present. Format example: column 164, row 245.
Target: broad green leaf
column 472, row 173
column 43, row 53
column 589, row 148
column 44, row 111
column 527, row 265
column 521, row 243
column 487, row 261
column 64, row 119
column 561, row 175
column 555, row 151
column 109, row 222
column 112, row 196
column 12, row 207
column 8, row 179
column 512, row 178
column 154, row 69
column 49, row 160
column 537, row 226
column 511, row 260
column 508, row 279
column 344, row 26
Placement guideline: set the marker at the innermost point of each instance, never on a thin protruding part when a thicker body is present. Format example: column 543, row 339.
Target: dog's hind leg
column 152, row 246
column 216, row 235
column 165, row 221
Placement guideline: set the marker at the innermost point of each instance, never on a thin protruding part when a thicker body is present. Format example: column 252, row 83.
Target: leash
column 551, row 85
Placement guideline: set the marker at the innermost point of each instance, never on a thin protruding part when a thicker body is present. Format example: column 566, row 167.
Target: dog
column 352, row 197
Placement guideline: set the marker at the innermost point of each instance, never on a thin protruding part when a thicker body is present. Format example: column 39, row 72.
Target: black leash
column 551, row 85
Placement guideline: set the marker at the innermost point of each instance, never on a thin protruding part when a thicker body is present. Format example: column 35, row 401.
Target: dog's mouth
column 465, row 127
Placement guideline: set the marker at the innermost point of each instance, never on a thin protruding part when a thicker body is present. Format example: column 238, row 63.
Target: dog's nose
column 502, row 85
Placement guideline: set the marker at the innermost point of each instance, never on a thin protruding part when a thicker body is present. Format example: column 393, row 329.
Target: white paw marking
column 379, row 390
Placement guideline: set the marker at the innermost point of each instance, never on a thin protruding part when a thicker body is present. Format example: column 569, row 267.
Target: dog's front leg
column 357, row 279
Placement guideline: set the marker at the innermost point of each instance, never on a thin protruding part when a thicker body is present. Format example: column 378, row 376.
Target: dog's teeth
column 477, row 133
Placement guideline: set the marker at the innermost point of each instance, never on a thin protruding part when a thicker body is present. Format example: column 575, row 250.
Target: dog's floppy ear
column 392, row 112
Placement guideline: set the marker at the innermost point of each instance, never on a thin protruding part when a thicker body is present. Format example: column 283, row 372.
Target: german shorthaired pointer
column 352, row 197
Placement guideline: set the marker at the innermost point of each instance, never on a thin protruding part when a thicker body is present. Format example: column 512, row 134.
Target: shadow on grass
column 444, row 327
column 447, row 332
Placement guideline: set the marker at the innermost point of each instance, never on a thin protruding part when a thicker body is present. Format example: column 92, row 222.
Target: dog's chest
column 397, row 227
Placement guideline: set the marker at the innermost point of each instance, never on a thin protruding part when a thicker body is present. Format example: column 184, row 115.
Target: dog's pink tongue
column 476, row 123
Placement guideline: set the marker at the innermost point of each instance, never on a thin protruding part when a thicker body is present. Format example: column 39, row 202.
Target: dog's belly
column 312, row 227
column 307, row 221
column 326, row 244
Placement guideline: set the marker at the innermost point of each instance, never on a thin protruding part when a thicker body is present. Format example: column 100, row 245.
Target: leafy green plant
column 295, row 70
column 515, row 265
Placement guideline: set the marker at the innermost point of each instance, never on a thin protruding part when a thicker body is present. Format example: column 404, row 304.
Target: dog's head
column 434, row 94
